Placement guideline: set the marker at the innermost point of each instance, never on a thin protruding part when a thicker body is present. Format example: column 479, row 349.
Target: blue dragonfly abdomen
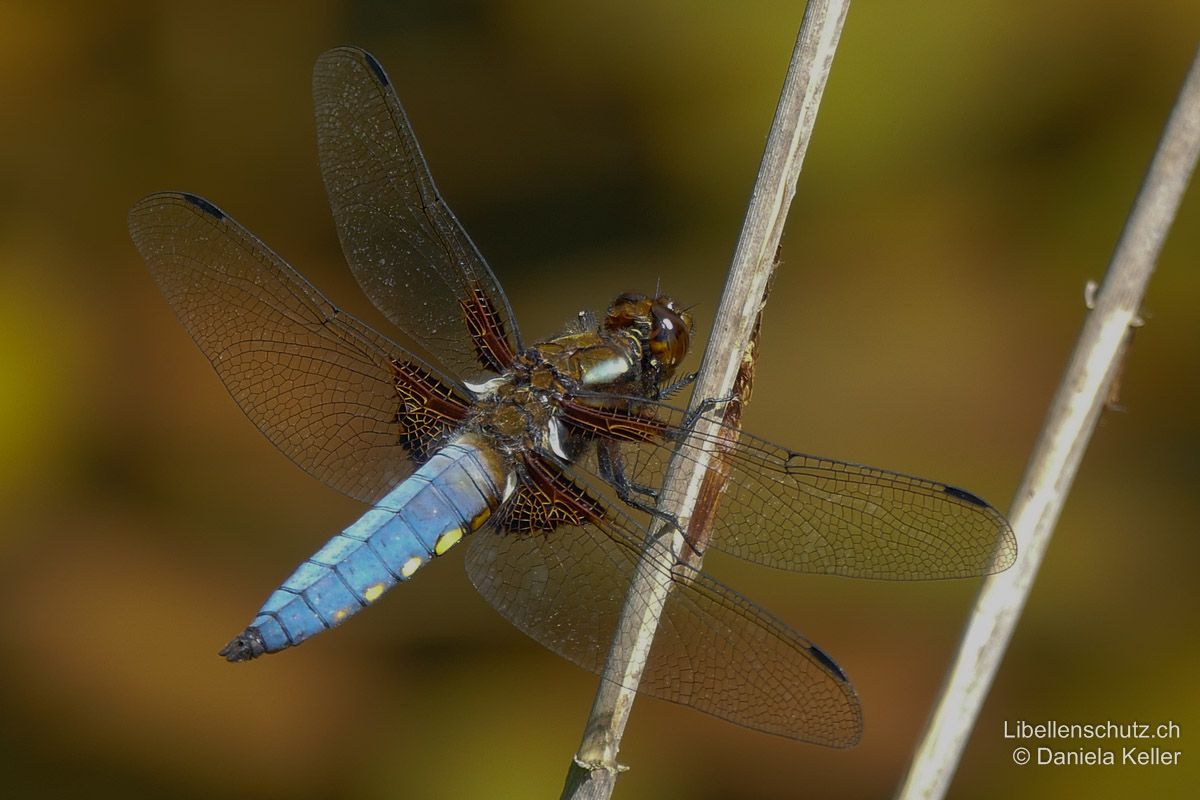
column 451, row 495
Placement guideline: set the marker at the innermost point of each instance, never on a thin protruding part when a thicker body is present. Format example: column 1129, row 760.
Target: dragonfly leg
column 677, row 385
column 612, row 469
column 703, row 407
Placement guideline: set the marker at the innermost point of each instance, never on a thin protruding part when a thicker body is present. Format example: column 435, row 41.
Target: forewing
column 714, row 650
column 809, row 514
column 321, row 385
column 404, row 245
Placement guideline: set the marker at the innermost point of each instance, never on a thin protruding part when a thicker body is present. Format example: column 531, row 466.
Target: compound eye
column 670, row 335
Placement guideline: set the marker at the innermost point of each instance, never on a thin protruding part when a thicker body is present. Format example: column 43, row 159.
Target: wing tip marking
column 963, row 494
column 202, row 204
column 828, row 663
column 377, row 68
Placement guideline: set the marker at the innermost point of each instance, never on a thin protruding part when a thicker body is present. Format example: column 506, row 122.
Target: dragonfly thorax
column 632, row 353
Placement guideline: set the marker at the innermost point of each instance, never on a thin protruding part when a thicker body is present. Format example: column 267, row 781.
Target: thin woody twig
column 1082, row 395
column 688, row 482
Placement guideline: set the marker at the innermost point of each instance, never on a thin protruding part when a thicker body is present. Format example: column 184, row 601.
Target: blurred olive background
column 972, row 167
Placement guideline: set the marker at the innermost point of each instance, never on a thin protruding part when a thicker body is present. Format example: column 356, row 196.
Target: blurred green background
column 972, row 167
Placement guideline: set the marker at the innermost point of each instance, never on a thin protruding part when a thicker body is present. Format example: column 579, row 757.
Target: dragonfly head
column 664, row 330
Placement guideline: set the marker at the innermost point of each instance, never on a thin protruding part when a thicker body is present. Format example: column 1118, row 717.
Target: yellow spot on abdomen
column 373, row 592
column 480, row 518
column 340, row 615
column 410, row 566
column 447, row 540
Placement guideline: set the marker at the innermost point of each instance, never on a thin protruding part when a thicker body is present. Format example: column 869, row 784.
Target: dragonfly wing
column 406, row 248
column 322, row 386
column 809, row 514
column 714, row 650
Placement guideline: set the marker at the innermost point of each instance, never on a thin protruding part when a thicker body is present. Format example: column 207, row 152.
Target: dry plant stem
column 1073, row 414
column 593, row 773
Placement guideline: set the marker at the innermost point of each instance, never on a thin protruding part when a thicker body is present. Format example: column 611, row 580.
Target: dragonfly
column 543, row 457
